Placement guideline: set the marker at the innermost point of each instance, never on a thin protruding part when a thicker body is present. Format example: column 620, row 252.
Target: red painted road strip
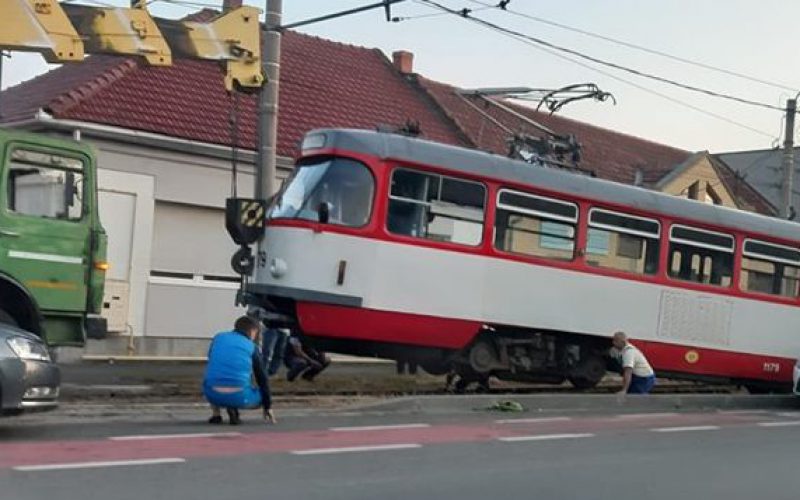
column 274, row 441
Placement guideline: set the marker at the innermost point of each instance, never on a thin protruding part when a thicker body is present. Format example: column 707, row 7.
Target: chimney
column 403, row 61
column 231, row 4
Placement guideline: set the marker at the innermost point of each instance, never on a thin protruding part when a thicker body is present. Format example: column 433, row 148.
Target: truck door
column 45, row 232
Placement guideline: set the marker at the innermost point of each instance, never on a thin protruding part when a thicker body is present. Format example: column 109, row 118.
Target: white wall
column 164, row 214
column 126, row 204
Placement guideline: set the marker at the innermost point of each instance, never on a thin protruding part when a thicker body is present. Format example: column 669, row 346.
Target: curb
column 583, row 402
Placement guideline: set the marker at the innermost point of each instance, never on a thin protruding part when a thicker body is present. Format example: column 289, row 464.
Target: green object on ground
column 507, row 406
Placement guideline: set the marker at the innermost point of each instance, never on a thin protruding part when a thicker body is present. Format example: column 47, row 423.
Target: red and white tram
column 386, row 245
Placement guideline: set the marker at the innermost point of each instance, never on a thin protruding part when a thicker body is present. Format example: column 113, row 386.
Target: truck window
column 45, row 185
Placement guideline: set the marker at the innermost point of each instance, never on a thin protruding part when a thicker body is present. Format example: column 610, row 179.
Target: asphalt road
column 479, row 455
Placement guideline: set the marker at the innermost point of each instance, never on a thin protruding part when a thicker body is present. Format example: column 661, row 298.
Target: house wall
column 702, row 175
column 170, row 286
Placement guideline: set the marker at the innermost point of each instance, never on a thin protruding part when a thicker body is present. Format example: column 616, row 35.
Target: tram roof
column 478, row 163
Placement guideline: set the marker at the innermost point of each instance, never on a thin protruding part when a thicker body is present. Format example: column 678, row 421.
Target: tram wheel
column 588, row 373
column 482, row 357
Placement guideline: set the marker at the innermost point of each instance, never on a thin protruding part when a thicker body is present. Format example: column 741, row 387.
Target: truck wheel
column 6, row 318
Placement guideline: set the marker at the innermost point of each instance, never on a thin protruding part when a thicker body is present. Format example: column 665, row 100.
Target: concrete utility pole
column 788, row 160
column 266, row 159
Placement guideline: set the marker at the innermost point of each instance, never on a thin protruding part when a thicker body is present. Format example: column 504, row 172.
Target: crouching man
column 638, row 376
column 233, row 358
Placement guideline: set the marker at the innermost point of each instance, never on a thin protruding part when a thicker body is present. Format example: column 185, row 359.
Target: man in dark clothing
column 273, row 348
column 233, row 358
column 305, row 360
column 273, row 340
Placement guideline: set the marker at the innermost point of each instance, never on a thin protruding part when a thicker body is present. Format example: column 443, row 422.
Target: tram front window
column 345, row 185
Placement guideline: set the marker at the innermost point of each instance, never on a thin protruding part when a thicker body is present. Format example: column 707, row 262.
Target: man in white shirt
column 638, row 376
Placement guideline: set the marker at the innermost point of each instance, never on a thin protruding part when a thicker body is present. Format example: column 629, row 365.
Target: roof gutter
column 44, row 121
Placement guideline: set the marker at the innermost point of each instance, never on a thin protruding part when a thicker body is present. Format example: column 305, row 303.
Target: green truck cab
column 52, row 245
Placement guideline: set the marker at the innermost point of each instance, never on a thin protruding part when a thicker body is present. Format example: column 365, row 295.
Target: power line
column 603, row 62
column 635, row 85
column 190, row 3
column 439, row 14
column 639, row 47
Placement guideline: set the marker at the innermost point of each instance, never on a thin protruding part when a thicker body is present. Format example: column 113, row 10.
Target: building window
column 769, row 268
column 533, row 225
column 436, row 207
column 623, row 242
column 701, row 256
column 45, row 185
column 711, row 196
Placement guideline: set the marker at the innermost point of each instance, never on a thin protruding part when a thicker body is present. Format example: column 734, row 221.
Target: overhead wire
column 602, row 62
column 191, row 3
column 632, row 84
column 636, row 47
column 398, row 19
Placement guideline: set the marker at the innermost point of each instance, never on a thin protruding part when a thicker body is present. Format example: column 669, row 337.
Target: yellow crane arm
column 39, row 26
column 233, row 38
column 64, row 33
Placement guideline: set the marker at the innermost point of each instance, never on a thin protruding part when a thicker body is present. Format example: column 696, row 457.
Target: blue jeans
column 273, row 346
column 641, row 385
column 248, row 397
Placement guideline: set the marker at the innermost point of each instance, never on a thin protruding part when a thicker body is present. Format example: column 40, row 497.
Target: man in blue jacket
column 233, row 358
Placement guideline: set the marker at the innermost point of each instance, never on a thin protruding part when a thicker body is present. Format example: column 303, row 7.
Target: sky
column 757, row 38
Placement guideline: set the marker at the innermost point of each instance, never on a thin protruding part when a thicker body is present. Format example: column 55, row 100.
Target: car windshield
column 345, row 185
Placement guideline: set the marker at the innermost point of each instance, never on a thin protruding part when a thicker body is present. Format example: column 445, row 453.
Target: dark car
column 29, row 380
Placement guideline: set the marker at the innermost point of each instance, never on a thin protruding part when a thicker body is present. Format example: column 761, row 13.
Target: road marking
column 633, row 416
column 90, row 465
column 543, row 437
column 356, row 449
column 379, row 427
column 687, row 429
column 741, row 412
column 788, row 414
column 532, row 420
column 144, row 437
column 784, row 423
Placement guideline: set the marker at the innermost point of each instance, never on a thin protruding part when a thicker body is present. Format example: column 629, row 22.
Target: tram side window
column 701, row 256
column 537, row 226
column 769, row 268
column 436, row 207
column 623, row 242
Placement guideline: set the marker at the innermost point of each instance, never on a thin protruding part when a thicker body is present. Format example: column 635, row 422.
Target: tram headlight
column 278, row 267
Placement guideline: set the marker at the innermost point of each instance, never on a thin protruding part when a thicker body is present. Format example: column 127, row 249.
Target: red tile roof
column 611, row 155
column 323, row 84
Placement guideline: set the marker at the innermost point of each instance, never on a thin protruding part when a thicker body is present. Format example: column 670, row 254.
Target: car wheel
column 6, row 318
